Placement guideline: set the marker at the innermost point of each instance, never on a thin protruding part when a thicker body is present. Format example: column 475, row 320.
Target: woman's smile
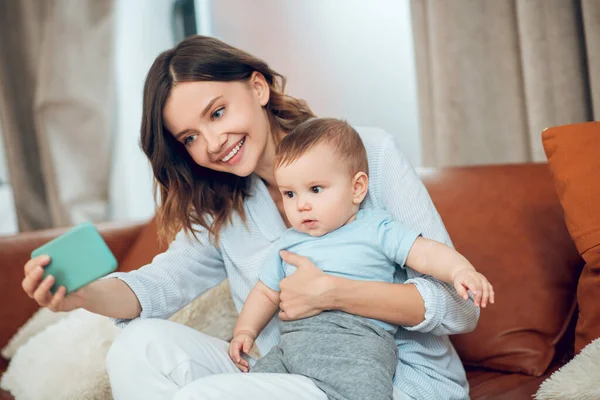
column 233, row 155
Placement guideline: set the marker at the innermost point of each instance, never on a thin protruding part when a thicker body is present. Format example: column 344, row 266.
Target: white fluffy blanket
column 60, row 356
column 579, row 379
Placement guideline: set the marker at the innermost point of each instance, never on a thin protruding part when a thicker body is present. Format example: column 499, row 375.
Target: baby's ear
column 360, row 185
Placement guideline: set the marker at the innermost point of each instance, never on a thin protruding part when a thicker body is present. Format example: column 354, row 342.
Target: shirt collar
column 263, row 211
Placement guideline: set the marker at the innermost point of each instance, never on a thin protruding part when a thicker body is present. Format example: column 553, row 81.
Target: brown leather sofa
column 506, row 219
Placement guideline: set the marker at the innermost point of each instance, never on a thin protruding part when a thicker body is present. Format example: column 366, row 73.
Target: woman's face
column 223, row 125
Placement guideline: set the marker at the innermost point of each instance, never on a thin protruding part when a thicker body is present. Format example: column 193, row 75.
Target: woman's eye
column 189, row 140
column 218, row 113
column 289, row 194
column 316, row 189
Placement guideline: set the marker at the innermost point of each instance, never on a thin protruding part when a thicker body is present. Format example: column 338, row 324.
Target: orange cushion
column 573, row 153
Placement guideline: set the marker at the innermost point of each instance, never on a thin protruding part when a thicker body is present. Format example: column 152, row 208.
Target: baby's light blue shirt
column 370, row 248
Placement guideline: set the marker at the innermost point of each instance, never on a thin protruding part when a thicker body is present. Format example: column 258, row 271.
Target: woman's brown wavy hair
column 186, row 193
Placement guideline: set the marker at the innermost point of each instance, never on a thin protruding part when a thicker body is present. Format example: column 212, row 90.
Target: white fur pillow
column 579, row 379
column 65, row 361
column 39, row 321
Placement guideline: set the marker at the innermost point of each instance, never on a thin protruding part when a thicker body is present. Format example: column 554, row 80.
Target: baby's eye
column 289, row 194
column 218, row 113
column 189, row 140
column 316, row 189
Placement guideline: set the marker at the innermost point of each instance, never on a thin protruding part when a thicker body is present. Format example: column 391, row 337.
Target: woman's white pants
column 159, row 359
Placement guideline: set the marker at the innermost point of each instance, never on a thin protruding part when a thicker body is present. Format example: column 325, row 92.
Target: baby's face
column 317, row 191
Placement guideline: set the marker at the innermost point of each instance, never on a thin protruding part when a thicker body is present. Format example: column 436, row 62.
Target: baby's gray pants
column 348, row 357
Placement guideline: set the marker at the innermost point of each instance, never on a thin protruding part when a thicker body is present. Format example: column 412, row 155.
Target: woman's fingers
column 42, row 294
column 58, row 297
column 291, row 258
column 296, row 260
column 32, row 280
column 39, row 261
column 283, row 316
column 34, row 271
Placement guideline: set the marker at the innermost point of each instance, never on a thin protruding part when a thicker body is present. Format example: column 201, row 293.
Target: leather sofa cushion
column 508, row 222
column 145, row 247
column 573, row 153
column 490, row 385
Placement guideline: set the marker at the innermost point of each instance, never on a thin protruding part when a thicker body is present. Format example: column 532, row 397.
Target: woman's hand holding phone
column 39, row 289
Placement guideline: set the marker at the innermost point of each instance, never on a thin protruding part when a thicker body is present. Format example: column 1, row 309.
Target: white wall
column 349, row 59
column 143, row 30
column 3, row 162
column 8, row 217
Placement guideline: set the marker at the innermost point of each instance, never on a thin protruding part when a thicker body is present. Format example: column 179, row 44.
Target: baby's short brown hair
column 343, row 139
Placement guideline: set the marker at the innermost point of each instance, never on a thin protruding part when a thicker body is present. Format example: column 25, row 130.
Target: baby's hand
column 242, row 342
column 480, row 287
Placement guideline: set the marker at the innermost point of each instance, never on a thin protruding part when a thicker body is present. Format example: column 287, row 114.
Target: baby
column 321, row 171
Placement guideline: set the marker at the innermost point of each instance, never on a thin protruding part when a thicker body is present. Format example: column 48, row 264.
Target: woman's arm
column 389, row 302
column 158, row 290
column 108, row 297
column 309, row 291
column 174, row 278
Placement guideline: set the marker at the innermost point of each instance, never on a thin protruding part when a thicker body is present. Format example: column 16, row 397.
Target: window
column 8, row 217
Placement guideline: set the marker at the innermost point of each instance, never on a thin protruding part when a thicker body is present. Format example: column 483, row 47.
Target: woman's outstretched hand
column 39, row 289
column 306, row 292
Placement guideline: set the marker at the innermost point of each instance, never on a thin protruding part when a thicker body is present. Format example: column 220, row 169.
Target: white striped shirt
column 428, row 366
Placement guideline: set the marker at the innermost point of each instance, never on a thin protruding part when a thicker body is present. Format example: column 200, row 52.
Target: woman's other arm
column 158, row 290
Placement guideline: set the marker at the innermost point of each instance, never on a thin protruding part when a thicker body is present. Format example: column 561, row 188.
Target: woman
column 212, row 118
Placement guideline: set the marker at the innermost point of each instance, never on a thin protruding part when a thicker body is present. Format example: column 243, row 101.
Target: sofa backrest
column 505, row 219
column 508, row 222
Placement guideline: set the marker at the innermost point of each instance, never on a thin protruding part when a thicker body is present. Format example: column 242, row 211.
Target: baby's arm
column 260, row 306
column 446, row 264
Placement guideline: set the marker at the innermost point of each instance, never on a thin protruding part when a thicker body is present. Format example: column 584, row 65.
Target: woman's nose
column 215, row 142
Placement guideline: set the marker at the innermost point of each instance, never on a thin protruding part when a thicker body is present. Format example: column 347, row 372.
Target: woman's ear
column 360, row 185
column 259, row 85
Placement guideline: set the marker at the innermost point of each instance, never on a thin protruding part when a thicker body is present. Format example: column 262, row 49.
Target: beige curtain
column 492, row 74
column 56, row 65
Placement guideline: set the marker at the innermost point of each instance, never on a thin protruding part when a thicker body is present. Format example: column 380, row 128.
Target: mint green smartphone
column 77, row 257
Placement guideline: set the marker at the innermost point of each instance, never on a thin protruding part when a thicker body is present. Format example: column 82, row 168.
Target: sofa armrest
column 15, row 250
